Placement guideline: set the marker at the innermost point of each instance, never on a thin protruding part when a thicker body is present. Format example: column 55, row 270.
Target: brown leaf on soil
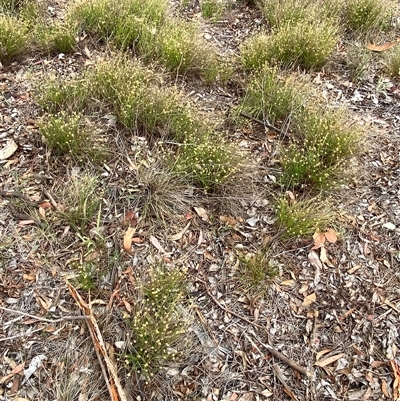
column 331, row 235
column 201, row 212
column 396, row 382
column 130, row 219
column 327, row 361
column 228, row 219
column 322, row 353
column 180, row 234
column 128, row 239
column 309, row 299
column 381, row 48
column 324, row 257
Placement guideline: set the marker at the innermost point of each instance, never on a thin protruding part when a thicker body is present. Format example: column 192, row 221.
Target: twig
column 265, row 124
column 287, row 389
column 19, row 335
column 51, row 199
column 42, row 319
column 270, row 348
column 20, row 195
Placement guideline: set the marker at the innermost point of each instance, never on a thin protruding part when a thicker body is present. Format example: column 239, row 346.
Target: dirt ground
column 336, row 320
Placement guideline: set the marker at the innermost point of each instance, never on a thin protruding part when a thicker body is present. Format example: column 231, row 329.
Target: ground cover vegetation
column 146, row 171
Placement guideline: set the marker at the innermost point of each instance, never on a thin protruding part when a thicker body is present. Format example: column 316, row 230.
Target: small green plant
column 66, row 133
column 183, row 50
column 212, row 9
column 317, row 158
column 55, row 95
column 304, row 217
column 358, row 63
column 256, row 270
column 14, row 37
column 82, row 199
column 158, row 325
column 392, row 62
column 57, row 37
column 272, row 97
column 87, row 276
column 208, row 160
column 365, row 16
column 307, row 44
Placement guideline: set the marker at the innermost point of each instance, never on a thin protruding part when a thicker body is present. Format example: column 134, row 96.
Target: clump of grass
column 304, row 217
column 138, row 25
column 82, row 198
column 55, row 95
column 14, row 37
column 212, row 9
column 306, row 44
column 57, row 37
column 66, row 133
column 272, row 97
column 365, row 16
column 158, row 193
column 157, row 325
column 208, row 161
column 358, row 61
column 317, row 158
column 392, row 62
column 182, row 50
column 256, row 270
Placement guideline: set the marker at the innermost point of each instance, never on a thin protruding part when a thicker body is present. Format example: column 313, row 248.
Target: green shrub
column 303, row 218
column 272, row 97
column 392, row 62
column 14, row 37
column 158, row 325
column 208, row 160
column 319, row 154
column 358, row 62
column 212, row 9
column 57, row 37
column 364, row 16
column 66, row 133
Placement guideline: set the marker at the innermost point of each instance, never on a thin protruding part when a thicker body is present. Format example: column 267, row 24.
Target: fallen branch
column 265, row 124
column 109, row 370
column 286, row 388
column 42, row 319
column 269, row 348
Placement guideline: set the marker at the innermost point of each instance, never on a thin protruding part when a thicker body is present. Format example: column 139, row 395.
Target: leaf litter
column 344, row 309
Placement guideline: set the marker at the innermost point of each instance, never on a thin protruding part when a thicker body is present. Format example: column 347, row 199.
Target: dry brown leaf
column 309, row 299
column 331, row 235
column 128, row 239
column 322, row 353
column 327, row 361
column 180, row 234
column 396, row 382
column 381, row 48
column 314, row 260
column 228, row 219
column 45, row 205
column 288, row 282
column 8, row 150
column 385, row 389
column 156, row 244
column 201, row 213
column 324, row 257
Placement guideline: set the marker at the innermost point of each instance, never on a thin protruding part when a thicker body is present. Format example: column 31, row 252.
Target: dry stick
column 287, row 389
column 265, row 124
column 51, row 199
column 42, row 319
column 270, row 349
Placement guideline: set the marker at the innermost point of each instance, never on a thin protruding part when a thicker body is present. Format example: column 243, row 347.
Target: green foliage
column 14, row 37
column 158, row 326
column 212, row 9
column 66, row 133
column 306, row 43
column 56, row 37
column 208, row 160
column 392, row 62
column 358, row 62
column 303, row 218
column 272, row 97
column 365, row 16
column 256, row 270
column 82, row 199
column 318, row 155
